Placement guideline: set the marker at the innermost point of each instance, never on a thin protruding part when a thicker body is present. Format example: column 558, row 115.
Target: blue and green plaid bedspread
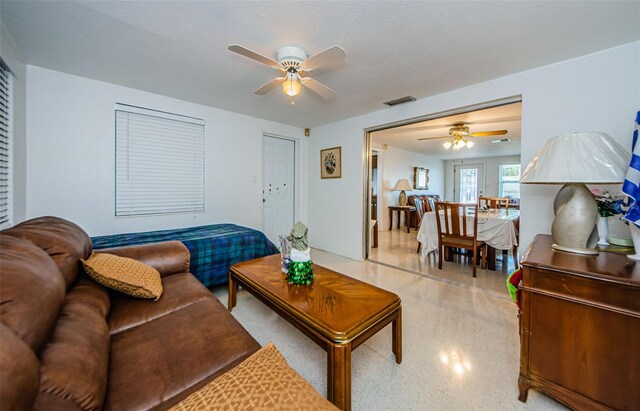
column 214, row 248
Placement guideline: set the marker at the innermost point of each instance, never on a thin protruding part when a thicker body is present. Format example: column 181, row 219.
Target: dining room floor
column 398, row 249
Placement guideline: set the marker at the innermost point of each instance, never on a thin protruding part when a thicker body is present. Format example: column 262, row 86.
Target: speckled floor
column 460, row 346
column 397, row 248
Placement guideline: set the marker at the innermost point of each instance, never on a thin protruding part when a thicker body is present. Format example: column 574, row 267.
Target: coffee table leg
column 339, row 375
column 233, row 287
column 396, row 335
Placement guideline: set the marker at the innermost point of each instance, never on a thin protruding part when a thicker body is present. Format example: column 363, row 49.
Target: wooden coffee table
column 337, row 312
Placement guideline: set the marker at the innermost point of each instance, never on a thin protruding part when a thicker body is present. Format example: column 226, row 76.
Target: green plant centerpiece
column 300, row 266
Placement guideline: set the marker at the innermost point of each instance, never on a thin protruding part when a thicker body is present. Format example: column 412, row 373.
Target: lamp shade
column 590, row 158
column 403, row 185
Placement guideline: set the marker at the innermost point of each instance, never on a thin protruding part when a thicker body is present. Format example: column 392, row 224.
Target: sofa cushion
column 124, row 274
column 159, row 363
column 263, row 381
column 64, row 241
column 19, row 372
column 75, row 362
column 180, row 290
column 32, row 291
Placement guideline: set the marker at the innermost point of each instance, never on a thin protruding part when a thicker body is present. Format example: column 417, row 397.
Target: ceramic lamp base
column 574, row 228
column 585, row 251
column 402, row 199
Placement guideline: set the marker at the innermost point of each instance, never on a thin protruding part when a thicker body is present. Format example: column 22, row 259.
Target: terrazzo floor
column 460, row 345
column 397, row 248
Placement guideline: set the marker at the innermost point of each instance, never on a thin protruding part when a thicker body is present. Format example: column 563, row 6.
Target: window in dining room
column 509, row 184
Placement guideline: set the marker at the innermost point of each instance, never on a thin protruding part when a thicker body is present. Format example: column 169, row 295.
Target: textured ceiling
column 506, row 117
column 179, row 48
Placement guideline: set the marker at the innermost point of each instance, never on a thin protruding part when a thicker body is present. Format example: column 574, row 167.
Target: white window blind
column 6, row 107
column 159, row 162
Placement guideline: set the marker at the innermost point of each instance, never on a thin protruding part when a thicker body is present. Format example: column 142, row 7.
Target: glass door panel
column 469, row 182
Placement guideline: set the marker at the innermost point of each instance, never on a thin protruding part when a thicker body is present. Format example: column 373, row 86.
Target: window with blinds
column 6, row 107
column 159, row 162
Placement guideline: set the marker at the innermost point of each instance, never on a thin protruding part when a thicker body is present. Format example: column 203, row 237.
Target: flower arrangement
column 330, row 163
column 608, row 204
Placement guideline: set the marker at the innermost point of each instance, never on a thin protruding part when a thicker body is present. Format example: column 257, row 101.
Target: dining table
column 496, row 227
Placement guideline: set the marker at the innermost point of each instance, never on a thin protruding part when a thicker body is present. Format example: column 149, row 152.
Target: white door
column 468, row 182
column 278, row 186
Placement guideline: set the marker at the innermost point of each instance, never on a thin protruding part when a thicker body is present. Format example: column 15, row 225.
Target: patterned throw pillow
column 123, row 274
column 264, row 381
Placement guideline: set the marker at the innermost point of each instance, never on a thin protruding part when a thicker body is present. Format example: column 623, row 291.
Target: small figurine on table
column 300, row 266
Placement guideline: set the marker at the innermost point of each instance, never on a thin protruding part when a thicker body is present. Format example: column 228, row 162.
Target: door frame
column 366, row 164
column 296, row 174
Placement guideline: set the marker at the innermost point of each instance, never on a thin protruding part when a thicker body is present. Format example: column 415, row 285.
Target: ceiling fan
column 459, row 133
column 294, row 62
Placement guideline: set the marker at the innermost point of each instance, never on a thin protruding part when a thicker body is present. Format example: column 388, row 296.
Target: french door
column 468, row 182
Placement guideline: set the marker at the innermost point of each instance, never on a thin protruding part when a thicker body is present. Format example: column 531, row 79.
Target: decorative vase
column 603, row 230
column 635, row 236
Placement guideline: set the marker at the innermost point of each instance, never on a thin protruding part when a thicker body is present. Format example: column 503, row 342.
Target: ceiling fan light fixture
column 291, row 86
column 469, row 144
column 447, row 145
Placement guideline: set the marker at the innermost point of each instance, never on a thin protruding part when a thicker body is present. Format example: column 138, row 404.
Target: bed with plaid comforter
column 214, row 248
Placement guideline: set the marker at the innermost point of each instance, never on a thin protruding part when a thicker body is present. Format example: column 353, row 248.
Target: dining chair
column 419, row 216
column 494, row 202
column 454, row 230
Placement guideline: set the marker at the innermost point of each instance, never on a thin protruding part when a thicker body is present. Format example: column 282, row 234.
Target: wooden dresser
column 580, row 328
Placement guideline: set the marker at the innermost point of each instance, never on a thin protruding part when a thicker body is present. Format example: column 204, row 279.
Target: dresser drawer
column 595, row 292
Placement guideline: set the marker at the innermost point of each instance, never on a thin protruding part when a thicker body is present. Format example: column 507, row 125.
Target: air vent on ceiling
column 400, row 100
column 501, row 140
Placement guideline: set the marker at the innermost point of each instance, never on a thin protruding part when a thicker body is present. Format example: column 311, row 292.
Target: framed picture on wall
column 331, row 162
column 420, row 178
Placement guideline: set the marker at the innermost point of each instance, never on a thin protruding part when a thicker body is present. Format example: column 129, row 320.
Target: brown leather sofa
column 67, row 343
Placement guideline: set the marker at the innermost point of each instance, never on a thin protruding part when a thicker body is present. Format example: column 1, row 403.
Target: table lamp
column 574, row 160
column 402, row 185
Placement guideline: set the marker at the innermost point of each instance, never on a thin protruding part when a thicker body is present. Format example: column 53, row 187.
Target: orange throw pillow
column 126, row 275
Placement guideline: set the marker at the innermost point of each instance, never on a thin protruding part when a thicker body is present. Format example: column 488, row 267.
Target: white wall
column 600, row 92
column 399, row 164
column 71, row 148
column 13, row 58
column 491, row 174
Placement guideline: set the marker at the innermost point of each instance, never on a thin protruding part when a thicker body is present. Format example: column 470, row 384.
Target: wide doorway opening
column 469, row 155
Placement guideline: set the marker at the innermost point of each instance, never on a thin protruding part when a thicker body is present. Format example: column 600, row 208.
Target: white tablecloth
column 495, row 228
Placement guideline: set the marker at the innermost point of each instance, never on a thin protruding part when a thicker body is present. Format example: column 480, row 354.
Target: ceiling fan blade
column 488, row 133
column 318, row 87
column 434, row 138
column 328, row 56
column 236, row 48
column 269, row 86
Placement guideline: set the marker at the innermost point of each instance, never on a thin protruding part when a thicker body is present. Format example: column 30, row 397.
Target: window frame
column 501, row 181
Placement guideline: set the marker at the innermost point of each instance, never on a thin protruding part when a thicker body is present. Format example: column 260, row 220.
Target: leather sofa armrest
column 168, row 257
